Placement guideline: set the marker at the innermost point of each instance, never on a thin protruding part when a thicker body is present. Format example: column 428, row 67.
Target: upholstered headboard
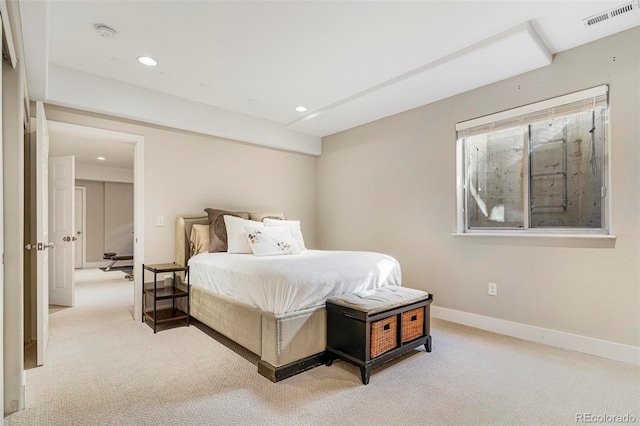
column 183, row 231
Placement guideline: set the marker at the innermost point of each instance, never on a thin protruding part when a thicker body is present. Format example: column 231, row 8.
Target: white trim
column 607, row 161
column 138, row 199
column 538, row 106
column 560, row 339
column 138, row 227
column 533, row 234
column 6, row 27
column 460, row 183
column 1, row 236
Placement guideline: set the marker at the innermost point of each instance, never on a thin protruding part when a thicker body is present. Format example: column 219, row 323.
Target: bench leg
column 329, row 359
column 365, row 372
column 427, row 344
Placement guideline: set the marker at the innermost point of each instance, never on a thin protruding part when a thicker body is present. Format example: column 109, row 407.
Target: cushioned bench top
column 380, row 299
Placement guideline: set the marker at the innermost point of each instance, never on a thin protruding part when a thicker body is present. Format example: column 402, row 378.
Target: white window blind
column 586, row 100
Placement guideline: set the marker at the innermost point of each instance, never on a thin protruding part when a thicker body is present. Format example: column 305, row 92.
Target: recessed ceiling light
column 301, row 108
column 148, row 61
column 101, row 158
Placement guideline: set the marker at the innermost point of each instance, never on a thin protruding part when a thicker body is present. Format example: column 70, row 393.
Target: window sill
column 535, row 235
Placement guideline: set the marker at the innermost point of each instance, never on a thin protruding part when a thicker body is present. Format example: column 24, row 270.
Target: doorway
column 110, row 141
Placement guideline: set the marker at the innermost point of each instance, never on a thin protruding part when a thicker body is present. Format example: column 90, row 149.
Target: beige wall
column 109, row 218
column 118, row 218
column 390, row 186
column 94, row 218
column 187, row 172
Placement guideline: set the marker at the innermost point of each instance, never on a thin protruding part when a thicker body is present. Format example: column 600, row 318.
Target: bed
column 246, row 298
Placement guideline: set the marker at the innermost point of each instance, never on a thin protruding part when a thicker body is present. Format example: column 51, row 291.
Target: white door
column 79, row 245
column 42, row 232
column 62, row 229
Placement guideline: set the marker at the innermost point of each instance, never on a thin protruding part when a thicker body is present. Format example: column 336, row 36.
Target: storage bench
column 370, row 328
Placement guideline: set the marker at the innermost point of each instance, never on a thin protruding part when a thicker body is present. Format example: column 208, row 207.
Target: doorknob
column 39, row 246
column 73, row 238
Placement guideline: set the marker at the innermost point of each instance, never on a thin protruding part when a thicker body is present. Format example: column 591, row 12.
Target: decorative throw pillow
column 218, row 230
column 294, row 225
column 259, row 217
column 199, row 239
column 236, row 234
column 272, row 241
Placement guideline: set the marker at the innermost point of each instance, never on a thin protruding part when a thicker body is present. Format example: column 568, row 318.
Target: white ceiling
column 237, row 64
column 87, row 148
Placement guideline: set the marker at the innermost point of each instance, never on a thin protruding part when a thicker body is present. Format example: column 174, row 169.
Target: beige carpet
column 103, row 368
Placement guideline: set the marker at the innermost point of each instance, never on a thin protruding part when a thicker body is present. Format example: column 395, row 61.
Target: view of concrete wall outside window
column 566, row 171
column 557, row 162
column 495, row 184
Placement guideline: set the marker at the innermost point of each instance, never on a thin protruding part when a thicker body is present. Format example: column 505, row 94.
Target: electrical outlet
column 493, row 289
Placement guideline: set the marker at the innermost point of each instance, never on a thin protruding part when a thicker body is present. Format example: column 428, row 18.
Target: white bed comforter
column 282, row 284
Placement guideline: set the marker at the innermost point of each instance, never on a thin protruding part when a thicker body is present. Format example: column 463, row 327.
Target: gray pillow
column 217, row 228
column 259, row 217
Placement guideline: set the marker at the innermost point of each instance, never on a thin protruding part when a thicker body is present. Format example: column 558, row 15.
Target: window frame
column 588, row 97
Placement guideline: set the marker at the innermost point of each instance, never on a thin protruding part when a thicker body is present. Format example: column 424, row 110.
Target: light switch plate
column 160, row 220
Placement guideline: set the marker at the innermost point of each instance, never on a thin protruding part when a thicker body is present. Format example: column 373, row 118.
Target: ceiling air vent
column 612, row 13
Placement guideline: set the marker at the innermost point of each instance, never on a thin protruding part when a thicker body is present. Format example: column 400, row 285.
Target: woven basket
column 412, row 324
column 384, row 336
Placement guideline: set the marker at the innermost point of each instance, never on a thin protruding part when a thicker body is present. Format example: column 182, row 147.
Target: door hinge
column 604, row 191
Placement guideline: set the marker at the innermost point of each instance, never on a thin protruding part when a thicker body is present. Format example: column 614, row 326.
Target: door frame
column 83, row 256
column 41, row 233
column 138, row 197
column 12, row 55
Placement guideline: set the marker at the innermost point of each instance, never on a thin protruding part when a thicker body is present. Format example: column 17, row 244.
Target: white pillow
column 271, row 241
column 294, row 225
column 236, row 234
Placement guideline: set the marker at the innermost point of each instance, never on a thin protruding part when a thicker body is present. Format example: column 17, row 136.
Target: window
column 537, row 169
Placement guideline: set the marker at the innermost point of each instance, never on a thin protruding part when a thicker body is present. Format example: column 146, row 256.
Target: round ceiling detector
column 105, row 30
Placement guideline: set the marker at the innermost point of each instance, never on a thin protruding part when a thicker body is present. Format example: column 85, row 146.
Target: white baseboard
column 560, row 339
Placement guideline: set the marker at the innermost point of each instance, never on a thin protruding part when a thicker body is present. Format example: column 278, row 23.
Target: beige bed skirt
column 278, row 339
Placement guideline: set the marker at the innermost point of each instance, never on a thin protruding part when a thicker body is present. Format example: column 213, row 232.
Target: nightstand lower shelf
column 165, row 315
column 166, row 293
